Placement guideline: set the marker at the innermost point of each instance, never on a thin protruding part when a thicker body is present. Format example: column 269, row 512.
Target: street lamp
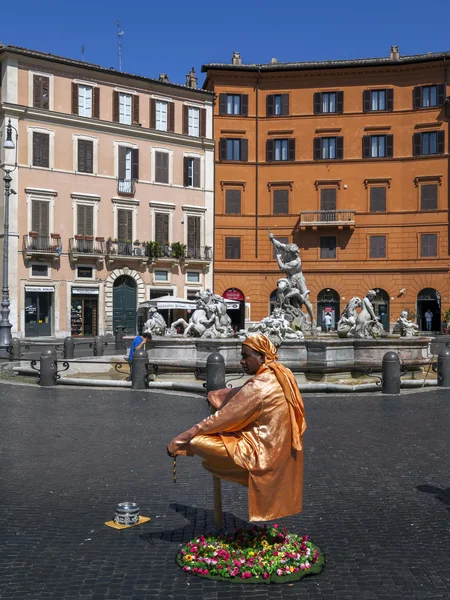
column 5, row 325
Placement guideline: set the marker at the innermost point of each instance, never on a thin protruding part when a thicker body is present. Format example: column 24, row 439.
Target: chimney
column 237, row 59
column 395, row 54
column 191, row 79
column 164, row 78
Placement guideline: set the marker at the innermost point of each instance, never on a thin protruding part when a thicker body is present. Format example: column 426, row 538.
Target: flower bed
column 257, row 555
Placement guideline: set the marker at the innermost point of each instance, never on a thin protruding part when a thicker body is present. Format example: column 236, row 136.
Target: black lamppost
column 5, row 325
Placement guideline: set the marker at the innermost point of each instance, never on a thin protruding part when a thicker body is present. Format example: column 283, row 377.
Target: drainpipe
column 256, row 163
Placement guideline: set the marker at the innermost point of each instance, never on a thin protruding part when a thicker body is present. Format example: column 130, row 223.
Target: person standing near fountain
column 255, row 437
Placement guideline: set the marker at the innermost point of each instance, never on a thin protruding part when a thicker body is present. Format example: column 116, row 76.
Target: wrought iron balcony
column 125, row 251
column 203, row 253
column 42, row 245
column 86, row 246
column 327, row 218
column 126, row 187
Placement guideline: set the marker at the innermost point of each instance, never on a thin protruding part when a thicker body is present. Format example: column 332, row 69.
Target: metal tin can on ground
column 127, row 513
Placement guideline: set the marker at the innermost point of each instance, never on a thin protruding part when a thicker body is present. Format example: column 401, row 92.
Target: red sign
column 233, row 294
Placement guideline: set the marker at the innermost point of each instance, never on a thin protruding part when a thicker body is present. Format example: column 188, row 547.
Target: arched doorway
column 328, row 302
column 381, row 307
column 125, row 303
column 272, row 301
column 237, row 316
column 429, row 300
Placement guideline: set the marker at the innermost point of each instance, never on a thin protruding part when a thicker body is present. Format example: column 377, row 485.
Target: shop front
column 84, row 312
column 237, row 314
column 38, row 310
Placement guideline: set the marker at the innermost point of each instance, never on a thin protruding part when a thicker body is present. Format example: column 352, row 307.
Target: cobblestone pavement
column 377, row 497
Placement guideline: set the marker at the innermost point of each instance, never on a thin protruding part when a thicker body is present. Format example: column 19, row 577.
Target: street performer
column 255, row 437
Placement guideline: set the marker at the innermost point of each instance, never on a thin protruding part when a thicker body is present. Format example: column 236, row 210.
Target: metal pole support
column 443, row 368
column 15, row 350
column 69, row 347
column 119, row 341
column 98, row 346
column 390, row 373
column 48, row 368
column 215, row 380
column 139, row 370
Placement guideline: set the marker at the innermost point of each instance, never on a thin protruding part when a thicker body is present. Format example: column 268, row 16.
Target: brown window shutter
column 417, row 144
column 196, row 172
column 81, row 156
column 269, row 150
column 317, row 151
column 417, row 97
column 328, row 246
column 162, row 228
column 85, row 156
column 244, row 150
column 122, row 225
column 202, row 122
column 223, row 149
column 317, row 103
column 81, row 220
column 339, row 102
column 161, row 167
column 36, row 215
column 440, row 142
column 390, row 146
column 74, row 98
column 122, row 154
column 233, row 202
column 186, row 162
column 193, row 235
column 185, row 119
column 291, row 149
column 441, row 94
column 37, row 91
column 135, row 164
column 89, row 157
column 45, row 92
column 366, row 146
column 390, row 99
column 135, row 109
column 377, row 199
column 46, row 150
column 328, row 199
column 36, row 150
column 244, row 104
column 89, row 220
column 280, row 202
column 339, row 147
column 116, row 116
column 152, row 113
column 41, row 155
column 270, row 105
column 428, row 244
column 170, row 116
column 223, row 104
column 377, row 246
column 284, row 104
column 367, row 94
column 40, row 217
column 428, row 196
column 232, row 247
column 158, row 167
column 96, row 107
column 165, row 167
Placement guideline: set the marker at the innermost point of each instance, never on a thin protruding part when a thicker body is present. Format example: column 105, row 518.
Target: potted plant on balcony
column 99, row 239
column 79, row 237
column 178, row 250
column 137, row 243
column 446, row 317
column 154, row 249
column 55, row 236
column 89, row 238
column 33, row 234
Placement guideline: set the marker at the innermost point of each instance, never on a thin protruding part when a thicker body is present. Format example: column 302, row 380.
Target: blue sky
column 171, row 37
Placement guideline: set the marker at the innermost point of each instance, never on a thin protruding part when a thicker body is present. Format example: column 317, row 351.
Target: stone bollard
column 139, row 370
column 69, row 347
column 98, row 346
column 443, row 368
column 48, row 366
column 215, row 380
column 390, row 373
column 119, row 341
column 15, row 350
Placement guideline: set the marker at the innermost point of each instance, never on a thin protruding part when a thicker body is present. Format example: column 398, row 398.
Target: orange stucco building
column 347, row 159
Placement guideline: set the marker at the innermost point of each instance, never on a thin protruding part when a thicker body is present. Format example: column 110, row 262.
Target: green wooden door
column 124, row 304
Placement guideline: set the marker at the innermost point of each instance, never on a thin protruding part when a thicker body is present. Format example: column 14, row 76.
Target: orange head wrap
column 260, row 343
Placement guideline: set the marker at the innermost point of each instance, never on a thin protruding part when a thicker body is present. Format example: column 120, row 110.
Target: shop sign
column 85, row 291
column 37, row 288
column 233, row 294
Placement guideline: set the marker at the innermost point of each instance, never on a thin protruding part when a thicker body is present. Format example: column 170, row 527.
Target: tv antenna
column 82, row 52
column 119, row 44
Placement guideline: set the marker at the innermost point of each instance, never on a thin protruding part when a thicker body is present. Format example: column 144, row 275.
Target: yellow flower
column 265, row 543
column 291, row 569
column 251, row 554
column 188, row 557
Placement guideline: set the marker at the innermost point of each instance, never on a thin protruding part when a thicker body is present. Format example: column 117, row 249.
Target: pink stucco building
column 114, row 202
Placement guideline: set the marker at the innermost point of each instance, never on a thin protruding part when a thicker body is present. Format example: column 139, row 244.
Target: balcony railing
column 126, row 186
column 311, row 218
column 42, row 244
column 86, row 246
column 199, row 253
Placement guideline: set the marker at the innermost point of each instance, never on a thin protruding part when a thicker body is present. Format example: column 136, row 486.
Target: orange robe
column 249, row 441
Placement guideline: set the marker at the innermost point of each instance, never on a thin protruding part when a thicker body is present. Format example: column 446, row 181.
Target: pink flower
column 275, row 553
column 266, row 575
column 219, row 567
column 279, row 572
column 186, row 569
column 205, row 571
column 276, row 525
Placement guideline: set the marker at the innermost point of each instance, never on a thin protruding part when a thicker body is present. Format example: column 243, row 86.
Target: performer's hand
column 176, row 447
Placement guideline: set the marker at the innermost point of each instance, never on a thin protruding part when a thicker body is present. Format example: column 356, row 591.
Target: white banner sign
column 84, row 291
column 36, row 288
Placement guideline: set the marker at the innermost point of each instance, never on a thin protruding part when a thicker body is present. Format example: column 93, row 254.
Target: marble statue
column 209, row 319
column 347, row 323
column 367, row 323
column 406, row 327
column 292, row 291
column 276, row 327
column 155, row 323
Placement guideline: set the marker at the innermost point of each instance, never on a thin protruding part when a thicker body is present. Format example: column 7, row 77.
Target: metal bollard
column 48, row 366
column 119, row 341
column 69, row 347
column 98, row 346
column 390, row 373
column 443, row 368
column 215, row 380
column 14, row 349
column 139, row 370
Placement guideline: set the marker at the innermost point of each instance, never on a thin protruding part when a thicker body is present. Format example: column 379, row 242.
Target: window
column 233, row 202
column 194, row 236
column 280, row 202
column 233, row 149
column 194, row 126
column 41, row 142
column 125, row 226
column 125, row 108
column 233, row 104
column 328, row 102
column 128, row 169
column 280, row 150
column 328, row 200
column 85, row 100
column 41, row 94
column 329, row 148
column 378, row 100
column 232, row 247
column 378, row 146
column 39, row 270
column 162, row 167
column 162, row 228
column 428, row 196
column 377, row 199
column 191, row 295
column 429, row 142
column 428, row 244
column 277, row 104
column 85, row 219
column 328, row 246
column 193, row 277
column 377, row 246
column 194, row 121
column 40, row 217
column 85, row 156
column 283, row 240
column 85, row 272
column 161, row 115
column 191, row 172
column 426, row 96
column 161, row 275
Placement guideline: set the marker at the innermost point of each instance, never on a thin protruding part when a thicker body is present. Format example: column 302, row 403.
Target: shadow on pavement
column 441, row 494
